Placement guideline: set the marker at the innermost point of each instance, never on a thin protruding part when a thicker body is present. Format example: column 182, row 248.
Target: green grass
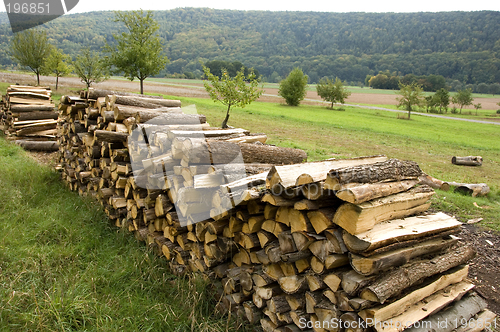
column 64, row 268
column 353, row 132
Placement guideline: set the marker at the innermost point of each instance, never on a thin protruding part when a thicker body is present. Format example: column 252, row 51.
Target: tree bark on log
column 467, row 161
column 390, row 170
column 35, row 115
column 400, row 230
column 47, row 146
column 294, row 175
column 31, row 108
column 362, row 193
column 139, row 101
column 397, row 280
column 471, row 189
column 381, row 262
column 385, row 312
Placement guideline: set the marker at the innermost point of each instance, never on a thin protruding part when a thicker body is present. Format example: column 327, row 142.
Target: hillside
column 458, row 45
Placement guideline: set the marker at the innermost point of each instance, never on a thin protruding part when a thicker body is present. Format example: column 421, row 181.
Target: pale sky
column 324, row 6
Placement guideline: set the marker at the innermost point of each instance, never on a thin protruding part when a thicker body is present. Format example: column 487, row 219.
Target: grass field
column 64, row 268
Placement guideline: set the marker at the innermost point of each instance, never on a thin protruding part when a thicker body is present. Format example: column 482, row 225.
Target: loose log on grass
column 467, row 161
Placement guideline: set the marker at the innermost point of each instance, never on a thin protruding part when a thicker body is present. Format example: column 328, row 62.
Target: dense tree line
column 460, row 46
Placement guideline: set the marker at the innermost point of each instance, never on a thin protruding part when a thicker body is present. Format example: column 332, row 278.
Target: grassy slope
column 63, row 268
column 355, row 132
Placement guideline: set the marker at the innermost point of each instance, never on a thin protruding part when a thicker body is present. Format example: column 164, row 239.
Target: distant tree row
column 411, row 98
column 136, row 53
column 386, row 80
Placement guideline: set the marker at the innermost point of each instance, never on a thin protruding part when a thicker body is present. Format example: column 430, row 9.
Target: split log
column 356, row 219
column 400, row 230
column 384, row 261
column 362, row 193
column 405, row 276
column 383, row 313
column 295, row 175
column 390, row 170
column 454, row 316
column 425, row 308
column 467, row 161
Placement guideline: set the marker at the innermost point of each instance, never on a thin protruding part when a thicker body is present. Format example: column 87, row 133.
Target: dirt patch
column 44, row 158
column 485, row 267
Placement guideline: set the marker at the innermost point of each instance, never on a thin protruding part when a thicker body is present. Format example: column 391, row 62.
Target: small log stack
column 29, row 117
column 291, row 246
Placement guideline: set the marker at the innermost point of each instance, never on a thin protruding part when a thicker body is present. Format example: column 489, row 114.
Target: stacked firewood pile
column 29, row 117
column 322, row 246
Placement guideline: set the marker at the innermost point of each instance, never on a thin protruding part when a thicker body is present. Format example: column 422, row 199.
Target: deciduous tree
column 138, row 52
column 293, row 88
column 463, row 98
column 232, row 91
column 334, row 92
column 411, row 95
column 31, row 48
column 442, row 98
column 90, row 67
column 57, row 63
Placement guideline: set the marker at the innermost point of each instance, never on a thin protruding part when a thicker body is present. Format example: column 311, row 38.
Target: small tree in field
column 463, row 98
column 293, row 88
column 334, row 92
column 139, row 51
column 90, row 67
column 31, row 48
column 477, row 107
column 411, row 95
column 232, row 91
column 442, row 99
column 58, row 64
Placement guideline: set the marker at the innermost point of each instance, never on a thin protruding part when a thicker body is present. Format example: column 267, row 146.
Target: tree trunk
column 224, row 123
column 57, row 81
column 142, row 85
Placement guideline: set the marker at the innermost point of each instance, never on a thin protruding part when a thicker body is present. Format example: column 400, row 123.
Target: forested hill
column 458, row 45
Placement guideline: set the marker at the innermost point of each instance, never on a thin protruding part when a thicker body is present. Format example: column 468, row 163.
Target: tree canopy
column 410, row 95
column 463, row 98
column 138, row 52
column 57, row 63
column 332, row 91
column 31, row 48
column 232, row 91
column 90, row 67
column 293, row 87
